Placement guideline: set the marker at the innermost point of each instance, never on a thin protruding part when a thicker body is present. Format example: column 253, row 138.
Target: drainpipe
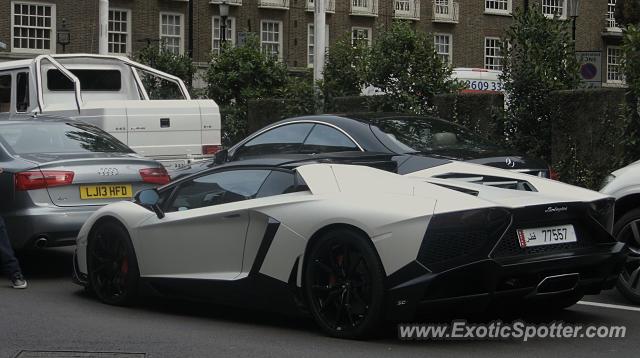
column 103, row 26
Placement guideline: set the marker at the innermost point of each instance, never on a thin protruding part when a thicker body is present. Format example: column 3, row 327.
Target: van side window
column 90, row 80
column 5, row 93
column 22, row 92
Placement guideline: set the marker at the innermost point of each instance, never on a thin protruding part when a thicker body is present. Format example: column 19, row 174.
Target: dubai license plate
column 109, row 191
column 546, row 236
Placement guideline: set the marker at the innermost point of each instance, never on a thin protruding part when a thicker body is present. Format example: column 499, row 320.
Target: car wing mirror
column 221, row 157
column 150, row 199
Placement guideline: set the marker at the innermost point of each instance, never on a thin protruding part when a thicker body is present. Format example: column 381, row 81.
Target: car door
column 202, row 235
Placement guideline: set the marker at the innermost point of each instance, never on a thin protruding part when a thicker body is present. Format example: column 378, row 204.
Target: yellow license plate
column 120, row 191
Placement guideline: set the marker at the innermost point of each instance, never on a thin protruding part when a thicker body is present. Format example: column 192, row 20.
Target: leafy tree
column 345, row 68
column 178, row 65
column 405, row 66
column 238, row 74
column 627, row 12
column 538, row 58
column 245, row 72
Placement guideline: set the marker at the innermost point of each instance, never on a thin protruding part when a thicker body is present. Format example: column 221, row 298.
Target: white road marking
column 607, row 305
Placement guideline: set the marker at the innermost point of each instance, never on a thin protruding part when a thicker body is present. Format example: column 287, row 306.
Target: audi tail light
column 157, row 176
column 37, row 179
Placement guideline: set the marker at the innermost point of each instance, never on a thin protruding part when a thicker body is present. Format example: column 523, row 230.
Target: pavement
column 56, row 318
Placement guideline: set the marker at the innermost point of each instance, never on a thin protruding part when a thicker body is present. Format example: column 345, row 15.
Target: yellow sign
column 122, row 191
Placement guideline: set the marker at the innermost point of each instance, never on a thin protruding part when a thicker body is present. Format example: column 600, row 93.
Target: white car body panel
column 393, row 210
column 172, row 131
column 546, row 188
column 626, row 182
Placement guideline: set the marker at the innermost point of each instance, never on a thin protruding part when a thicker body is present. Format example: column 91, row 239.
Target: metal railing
column 274, row 4
column 446, row 11
column 230, row 2
column 364, row 7
column 329, row 4
column 407, row 9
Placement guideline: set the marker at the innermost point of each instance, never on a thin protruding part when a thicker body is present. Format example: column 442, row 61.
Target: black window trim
column 310, row 121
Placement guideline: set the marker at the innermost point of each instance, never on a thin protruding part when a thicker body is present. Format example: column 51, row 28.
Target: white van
column 149, row 110
column 479, row 80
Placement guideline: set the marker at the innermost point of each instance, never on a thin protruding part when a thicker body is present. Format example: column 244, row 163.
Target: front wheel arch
column 132, row 272
column 322, row 231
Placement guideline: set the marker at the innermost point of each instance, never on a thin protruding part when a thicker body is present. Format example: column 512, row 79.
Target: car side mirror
column 221, row 157
column 150, row 198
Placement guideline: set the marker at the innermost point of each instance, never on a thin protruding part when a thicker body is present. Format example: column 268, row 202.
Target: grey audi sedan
column 55, row 172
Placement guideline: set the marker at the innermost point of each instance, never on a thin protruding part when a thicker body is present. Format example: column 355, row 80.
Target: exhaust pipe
column 41, row 242
column 558, row 284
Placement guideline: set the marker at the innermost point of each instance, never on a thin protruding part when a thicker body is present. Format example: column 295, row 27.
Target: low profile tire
column 627, row 229
column 112, row 265
column 344, row 284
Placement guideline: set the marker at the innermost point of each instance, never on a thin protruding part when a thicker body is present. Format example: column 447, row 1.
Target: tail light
column 37, row 179
column 553, row 175
column 210, row 149
column 155, row 176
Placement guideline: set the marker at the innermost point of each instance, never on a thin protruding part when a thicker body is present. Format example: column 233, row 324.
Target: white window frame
column 611, row 19
column 618, row 64
column 449, row 54
column 280, row 37
column 128, row 33
column 311, row 43
column 231, row 32
column 181, row 27
column 492, row 11
column 547, row 3
column 369, row 31
column 486, row 64
column 52, row 37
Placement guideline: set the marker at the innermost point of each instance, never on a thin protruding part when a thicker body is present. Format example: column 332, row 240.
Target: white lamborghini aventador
column 353, row 245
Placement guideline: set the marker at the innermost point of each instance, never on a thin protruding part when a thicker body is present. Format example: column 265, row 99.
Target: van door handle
column 165, row 122
column 232, row 216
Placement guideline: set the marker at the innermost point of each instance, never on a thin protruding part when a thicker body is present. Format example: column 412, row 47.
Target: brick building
column 466, row 32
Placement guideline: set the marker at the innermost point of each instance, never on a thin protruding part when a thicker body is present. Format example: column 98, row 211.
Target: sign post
column 590, row 68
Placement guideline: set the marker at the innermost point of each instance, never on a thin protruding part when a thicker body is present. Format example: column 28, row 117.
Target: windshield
column 427, row 135
column 58, row 138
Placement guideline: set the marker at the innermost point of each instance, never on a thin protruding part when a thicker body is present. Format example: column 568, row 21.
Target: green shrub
column 244, row 72
column 539, row 57
column 404, row 65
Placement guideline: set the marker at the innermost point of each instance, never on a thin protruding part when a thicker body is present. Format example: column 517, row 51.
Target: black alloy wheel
column 344, row 284
column 627, row 230
column 112, row 265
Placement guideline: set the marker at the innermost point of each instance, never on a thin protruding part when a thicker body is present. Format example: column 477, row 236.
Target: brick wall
column 467, row 35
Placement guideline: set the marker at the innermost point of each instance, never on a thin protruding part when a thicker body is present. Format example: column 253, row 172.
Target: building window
column 217, row 31
column 492, row 53
column 33, row 27
column 611, row 14
column 614, row 65
column 442, row 44
column 361, row 35
column 360, row 3
column 553, row 8
column 311, row 43
column 119, row 33
column 172, row 32
column 271, row 37
column 497, row 6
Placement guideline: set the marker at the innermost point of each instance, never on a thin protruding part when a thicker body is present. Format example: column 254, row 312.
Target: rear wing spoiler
column 76, row 82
